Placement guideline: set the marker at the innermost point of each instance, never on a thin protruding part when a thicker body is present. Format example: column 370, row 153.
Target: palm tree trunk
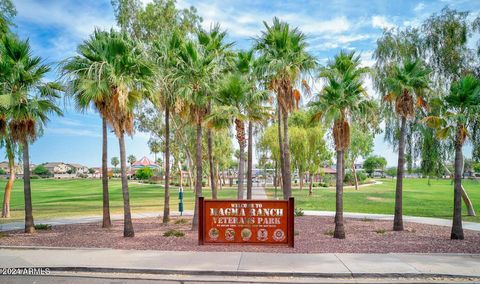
column 287, row 178
column 280, row 145
column 310, row 185
column 457, row 230
column 8, row 187
column 301, row 176
column 107, row 222
column 29, row 225
column 275, row 179
column 211, row 164
column 339, row 232
column 355, row 178
column 240, row 129
column 250, row 161
column 127, row 215
column 398, row 218
column 166, row 200
column 198, row 181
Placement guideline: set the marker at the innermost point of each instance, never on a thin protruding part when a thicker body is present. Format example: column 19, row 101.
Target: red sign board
column 246, row 222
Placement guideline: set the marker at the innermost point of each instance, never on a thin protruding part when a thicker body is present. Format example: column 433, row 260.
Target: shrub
column 181, row 221
column 329, row 233
column 43, row 227
column 173, row 233
column 144, row 173
column 299, row 212
column 3, row 172
column 380, row 231
column 34, row 177
column 40, row 170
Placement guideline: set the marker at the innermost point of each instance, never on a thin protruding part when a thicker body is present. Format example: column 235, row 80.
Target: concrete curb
column 256, row 273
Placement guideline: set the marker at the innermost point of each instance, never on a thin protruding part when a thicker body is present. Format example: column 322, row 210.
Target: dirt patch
column 379, row 199
column 313, row 237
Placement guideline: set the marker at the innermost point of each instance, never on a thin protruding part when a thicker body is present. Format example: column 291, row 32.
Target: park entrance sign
column 246, row 222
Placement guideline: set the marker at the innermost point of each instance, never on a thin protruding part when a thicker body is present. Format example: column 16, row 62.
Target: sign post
column 259, row 222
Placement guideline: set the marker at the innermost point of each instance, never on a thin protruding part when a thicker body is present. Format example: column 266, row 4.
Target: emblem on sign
column 246, row 234
column 229, row 234
column 262, row 235
column 213, row 233
column 279, row 235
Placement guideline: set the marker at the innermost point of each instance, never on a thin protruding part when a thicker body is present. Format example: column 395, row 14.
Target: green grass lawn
column 419, row 199
column 83, row 197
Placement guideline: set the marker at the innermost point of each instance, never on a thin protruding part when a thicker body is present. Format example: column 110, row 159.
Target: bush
column 144, row 173
column 299, row 212
column 3, row 172
column 35, row 177
column 43, row 227
column 40, row 170
column 173, row 233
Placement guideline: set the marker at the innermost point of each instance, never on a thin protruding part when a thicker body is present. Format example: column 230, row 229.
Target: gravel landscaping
column 313, row 236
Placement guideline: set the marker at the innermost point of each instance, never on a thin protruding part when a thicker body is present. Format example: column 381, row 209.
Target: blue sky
column 56, row 27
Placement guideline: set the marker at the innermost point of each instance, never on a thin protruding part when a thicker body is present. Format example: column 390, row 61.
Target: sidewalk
column 243, row 263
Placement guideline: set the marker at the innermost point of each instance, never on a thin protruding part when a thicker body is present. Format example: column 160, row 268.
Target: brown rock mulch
column 313, row 236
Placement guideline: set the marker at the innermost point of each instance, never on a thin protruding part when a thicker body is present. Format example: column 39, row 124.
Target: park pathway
column 258, row 193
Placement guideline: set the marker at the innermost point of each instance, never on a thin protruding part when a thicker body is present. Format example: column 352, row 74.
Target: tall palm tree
column 87, row 88
column 284, row 61
column 197, row 69
column 407, row 86
column 22, row 75
column 248, row 66
column 213, row 42
column 165, row 53
column 342, row 101
column 125, row 74
column 458, row 111
column 235, row 99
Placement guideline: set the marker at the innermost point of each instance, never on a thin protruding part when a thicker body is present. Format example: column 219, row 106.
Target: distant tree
column 391, row 172
column 114, row 161
column 373, row 163
column 361, row 146
column 40, row 170
column 155, row 147
column 476, row 167
column 131, row 159
column 3, row 172
column 91, row 170
column 144, row 173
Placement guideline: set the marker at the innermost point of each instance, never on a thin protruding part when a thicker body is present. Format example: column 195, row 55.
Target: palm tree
column 458, row 111
column 128, row 75
column 248, row 67
column 196, row 70
column 120, row 70
column 284, row 60
column 407, row 86
column 214, row 44
column 342, row 101
column 234, row 99
column 88, row 89
column 114, row 161
column 155, row 148
column 22, row 75
column 131, row 159
column 165, row 54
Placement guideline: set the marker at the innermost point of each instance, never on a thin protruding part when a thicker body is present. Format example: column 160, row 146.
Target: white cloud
column 62, row 131
column 381, row 22
column 419, row 7
column 78, row 20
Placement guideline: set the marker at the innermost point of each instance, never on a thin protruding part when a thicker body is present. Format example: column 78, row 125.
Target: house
column 58, row 167
column 79, row 169
column 18, row 167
